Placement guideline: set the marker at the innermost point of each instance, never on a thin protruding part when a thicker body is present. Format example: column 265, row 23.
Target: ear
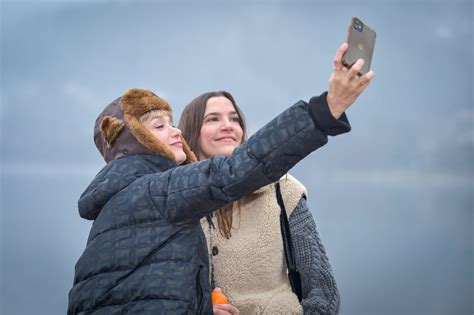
column 111, row 128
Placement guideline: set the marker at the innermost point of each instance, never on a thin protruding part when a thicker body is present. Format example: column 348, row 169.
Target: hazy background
column 393, row 199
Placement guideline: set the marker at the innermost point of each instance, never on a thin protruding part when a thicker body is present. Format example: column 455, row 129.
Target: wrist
column 328, row 122
column 333, row 108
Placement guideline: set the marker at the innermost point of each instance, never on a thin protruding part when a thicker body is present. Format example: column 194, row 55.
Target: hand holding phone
column 345, row 85
column 361, row 40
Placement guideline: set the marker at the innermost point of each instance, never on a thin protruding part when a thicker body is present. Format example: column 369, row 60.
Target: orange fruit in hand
column 218, row 297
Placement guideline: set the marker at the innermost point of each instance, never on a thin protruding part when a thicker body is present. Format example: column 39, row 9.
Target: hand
column 345, row 85
column 225, row 309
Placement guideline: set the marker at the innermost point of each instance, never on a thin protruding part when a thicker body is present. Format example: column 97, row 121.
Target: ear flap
column 111, row 128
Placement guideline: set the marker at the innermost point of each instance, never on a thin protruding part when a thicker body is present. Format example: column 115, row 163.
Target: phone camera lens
column 358, row 25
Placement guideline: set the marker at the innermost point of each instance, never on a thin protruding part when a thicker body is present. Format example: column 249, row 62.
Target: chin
column 180, row 161
column 226, row 152
column 180, row 157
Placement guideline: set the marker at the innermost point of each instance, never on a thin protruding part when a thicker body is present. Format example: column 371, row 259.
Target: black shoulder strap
column 285, row 229
column 293, row 274
column 211, row 263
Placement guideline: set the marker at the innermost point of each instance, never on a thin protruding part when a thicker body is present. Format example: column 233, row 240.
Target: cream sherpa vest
column 250, row 267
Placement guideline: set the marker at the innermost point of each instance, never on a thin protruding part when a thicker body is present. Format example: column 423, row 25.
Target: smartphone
column 361, row 40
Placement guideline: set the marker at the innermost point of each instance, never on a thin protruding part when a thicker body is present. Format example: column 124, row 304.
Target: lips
column 226, row 139
column 177, row 144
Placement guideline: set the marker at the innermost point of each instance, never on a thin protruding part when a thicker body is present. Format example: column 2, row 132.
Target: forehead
column 219, row 105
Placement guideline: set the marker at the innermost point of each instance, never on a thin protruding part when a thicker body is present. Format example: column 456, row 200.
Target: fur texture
column 110, row 128
column 137, row 102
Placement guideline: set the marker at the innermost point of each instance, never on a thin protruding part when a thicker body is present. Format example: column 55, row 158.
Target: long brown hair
column 190, row 124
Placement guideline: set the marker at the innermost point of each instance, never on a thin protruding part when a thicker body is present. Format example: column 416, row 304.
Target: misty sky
column 393, row 199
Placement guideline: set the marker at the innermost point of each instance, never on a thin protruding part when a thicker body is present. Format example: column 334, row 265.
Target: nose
column 227, row 125
column 176, row 132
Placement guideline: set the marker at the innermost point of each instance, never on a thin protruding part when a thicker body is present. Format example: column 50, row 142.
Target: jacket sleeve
column 186, row 193
column 320, row 292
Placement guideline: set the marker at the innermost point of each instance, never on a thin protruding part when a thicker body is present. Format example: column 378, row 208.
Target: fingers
column 355, row 69
column 365, row 79
column 225, row 309
column 220, row 312
column 337, row 63
column 345, row 85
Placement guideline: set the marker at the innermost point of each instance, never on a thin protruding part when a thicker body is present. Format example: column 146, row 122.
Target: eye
column 159, row 126
column 235, row 119
column 212, row 119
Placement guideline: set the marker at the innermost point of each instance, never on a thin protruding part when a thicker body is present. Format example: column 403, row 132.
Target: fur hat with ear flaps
column 118, row 131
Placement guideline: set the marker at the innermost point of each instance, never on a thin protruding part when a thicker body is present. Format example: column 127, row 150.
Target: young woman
column 244, row 237
column 245, row 244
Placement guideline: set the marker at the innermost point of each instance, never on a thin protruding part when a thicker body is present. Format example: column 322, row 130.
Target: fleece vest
column 250, row 267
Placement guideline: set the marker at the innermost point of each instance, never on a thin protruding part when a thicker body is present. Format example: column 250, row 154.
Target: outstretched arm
column 271, row 152
column 189, row 192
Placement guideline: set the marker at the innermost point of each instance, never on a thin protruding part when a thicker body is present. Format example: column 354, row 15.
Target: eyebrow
column 156, row 117
column 218, row 114
column 160, row 117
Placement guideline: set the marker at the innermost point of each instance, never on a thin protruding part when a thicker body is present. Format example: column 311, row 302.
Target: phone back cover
column 361, row 45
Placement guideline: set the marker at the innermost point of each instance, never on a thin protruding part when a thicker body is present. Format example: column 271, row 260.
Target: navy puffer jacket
column 146, row 252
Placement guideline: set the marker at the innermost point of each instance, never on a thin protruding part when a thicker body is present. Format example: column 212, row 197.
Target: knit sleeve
column 320, row 293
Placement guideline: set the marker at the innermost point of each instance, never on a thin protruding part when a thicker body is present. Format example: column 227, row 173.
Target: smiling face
column 220, row 132
column 160, row 125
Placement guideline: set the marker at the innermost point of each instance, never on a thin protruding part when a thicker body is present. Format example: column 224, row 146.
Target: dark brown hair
column 190, row 125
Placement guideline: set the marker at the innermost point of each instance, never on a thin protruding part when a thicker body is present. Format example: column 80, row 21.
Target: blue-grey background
column 393, row 199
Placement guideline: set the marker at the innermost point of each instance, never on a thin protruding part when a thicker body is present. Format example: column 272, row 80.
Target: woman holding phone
column 247, row 259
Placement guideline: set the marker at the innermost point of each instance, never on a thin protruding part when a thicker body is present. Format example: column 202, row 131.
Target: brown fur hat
column 118, row 131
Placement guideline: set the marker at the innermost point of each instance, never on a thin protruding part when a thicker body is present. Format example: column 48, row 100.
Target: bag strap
column 211, row 262
column 285, row 231
column 293, row 275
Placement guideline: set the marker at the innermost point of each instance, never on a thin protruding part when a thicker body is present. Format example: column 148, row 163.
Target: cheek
column 240, row 134
column 204, row 137
column 162, row 136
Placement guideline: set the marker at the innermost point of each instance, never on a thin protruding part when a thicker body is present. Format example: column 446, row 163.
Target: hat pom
column 111, row 128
